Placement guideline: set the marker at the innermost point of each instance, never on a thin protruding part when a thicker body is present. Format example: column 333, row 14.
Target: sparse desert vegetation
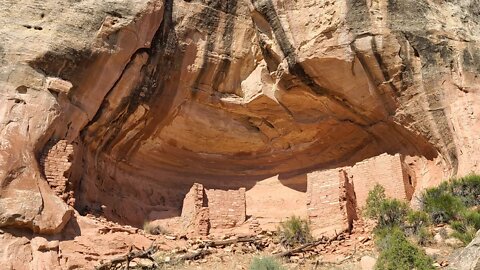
column 456, row 202
column 400, row 229
column 265, row 263
column 397, row 252
column 294, row 231
column 395, row 221
column 153, row 228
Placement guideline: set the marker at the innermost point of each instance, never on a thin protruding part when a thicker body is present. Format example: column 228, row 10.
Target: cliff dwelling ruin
column 330, row 199
column 221, row 115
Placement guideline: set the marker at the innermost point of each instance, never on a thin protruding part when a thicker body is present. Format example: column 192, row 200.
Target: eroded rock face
column 469, row 257
column 157, row 95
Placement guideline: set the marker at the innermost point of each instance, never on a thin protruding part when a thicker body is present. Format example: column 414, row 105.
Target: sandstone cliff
column 118, row 107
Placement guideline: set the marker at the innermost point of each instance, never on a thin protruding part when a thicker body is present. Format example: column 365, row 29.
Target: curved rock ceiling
column 170, row 92
column 223, row 90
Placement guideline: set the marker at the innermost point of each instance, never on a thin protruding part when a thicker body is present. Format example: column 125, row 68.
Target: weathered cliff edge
column 143, row 98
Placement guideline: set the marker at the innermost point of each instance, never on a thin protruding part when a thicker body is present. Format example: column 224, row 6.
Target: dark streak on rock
column 230, row 10
column 12, row 175
column 208, row 21
column 406, row 72
column 105, row 103
column 358, row 18
column 407, row 13
column 434, row 59
column 272, row 63
column 471, row 59
column 383, row 67
column 474, row 9
column 64, row 63
column 163, row 57
column 267, row 10
column 390, row 108
column 2, row 55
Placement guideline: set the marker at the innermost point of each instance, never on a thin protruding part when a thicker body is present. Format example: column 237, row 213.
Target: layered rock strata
column 157, row 95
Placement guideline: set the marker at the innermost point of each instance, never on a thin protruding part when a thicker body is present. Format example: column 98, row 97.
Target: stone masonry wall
column 409, row 179
column 348, row 199
column 56, row 162
column 227, row 208
column 205, row 209
column 385, row 170
column 333, row 199
column 323, row 201
column 194, row 211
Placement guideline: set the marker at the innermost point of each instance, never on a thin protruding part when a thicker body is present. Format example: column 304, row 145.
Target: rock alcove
column 157, row 96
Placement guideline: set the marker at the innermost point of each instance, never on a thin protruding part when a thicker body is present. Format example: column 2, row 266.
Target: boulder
column 469, row 257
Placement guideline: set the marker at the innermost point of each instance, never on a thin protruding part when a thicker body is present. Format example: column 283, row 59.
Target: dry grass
column 155, row 229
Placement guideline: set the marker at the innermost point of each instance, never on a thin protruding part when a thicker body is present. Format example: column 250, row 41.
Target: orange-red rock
column 154, row 96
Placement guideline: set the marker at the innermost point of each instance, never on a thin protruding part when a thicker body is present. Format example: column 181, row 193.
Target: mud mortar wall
column 210, row 209
column 325, row 209
column 56, row 162
column 385, row 170
column 227, row 208
column 334, row 197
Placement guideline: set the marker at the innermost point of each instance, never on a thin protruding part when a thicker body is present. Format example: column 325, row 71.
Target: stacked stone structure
column 333, row 200
column 56, row 162
column 333, row 197
column 205, row 209
column 389, row 171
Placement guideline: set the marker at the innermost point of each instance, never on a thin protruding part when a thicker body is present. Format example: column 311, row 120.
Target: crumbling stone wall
column 205, row 209
column 56, row 162
column 227, row 207
column 194, row 211
column 333, row 197
column 348, row 199
column 386, row 170
column 333, row 200
column 324, row 207
column 409, row 178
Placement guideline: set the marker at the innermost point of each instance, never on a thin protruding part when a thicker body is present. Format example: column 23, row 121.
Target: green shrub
column 463, row 232
column 417, row 227
column 375, row 198
column 449, row 202
column 152, row 228
column 265, row 263
column 294, row 231
column 446, row 201
column 392, row 212
column 467, row 189
column 472, row 217
column 388, row 212
column 417, row 220
column 397, row 253
column 467, row 226
column 441, row 205
column 423, row 236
